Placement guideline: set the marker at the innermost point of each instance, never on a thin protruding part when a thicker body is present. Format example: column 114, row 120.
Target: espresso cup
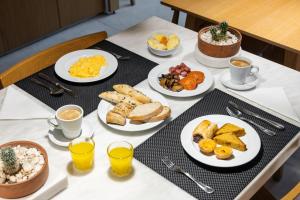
column 69, row 119
column 241, row 68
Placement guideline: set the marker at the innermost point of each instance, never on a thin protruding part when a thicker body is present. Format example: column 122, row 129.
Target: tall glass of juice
column 82, row 153
column 120, row 155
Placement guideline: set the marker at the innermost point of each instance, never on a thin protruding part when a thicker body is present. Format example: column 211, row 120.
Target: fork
column 172, row 166
column 238, row 115
column 119, row 57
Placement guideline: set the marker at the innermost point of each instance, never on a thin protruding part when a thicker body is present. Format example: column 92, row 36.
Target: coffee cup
column 69, row 119
column 241, row 68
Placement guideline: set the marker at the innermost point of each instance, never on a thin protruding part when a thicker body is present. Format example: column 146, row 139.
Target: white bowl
column 163, row 53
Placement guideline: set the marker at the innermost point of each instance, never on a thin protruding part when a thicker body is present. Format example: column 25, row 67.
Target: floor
column 125, row 17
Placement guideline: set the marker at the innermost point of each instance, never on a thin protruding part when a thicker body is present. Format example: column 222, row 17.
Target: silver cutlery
column 57, row 84
column 248, row 112
column 119, row 57
column 238, row 115
column 52, row 91
column 172, row 166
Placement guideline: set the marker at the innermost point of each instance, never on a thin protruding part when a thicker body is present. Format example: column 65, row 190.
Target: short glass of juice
column 120, row 156
column 82, row 153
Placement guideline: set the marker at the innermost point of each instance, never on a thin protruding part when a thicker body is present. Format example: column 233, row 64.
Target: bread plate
column 105, row 107
column 251, row 139
column 156, row 72
column 64, row 63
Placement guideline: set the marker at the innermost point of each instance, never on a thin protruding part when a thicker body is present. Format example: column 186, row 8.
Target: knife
column 47, row 78
column 248, row 112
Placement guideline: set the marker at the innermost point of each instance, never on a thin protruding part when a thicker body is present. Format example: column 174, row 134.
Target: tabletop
column 273, row 21
column 145, row 183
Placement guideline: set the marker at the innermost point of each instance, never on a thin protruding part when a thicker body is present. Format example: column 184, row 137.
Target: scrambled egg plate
column 163, row 42
column 87, row 67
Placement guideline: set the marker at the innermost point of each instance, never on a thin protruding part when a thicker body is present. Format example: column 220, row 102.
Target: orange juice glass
column 120, row 156
column 82, row 153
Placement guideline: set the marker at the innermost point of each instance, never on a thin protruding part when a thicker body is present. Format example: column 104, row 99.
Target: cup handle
column 52, row 124
column 254, row 70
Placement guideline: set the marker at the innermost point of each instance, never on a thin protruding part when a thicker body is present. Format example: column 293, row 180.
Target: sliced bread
column 123, row 109
column 130, row 91
column 164, row 114
column 115, row 118
column 115, row 97
column 145, row 111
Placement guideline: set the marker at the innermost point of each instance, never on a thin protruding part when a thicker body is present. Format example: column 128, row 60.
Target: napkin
column 273, row 98
column 15, row 104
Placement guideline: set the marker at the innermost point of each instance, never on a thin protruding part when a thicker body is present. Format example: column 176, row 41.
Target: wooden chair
column 47, row 58
column 293, row 194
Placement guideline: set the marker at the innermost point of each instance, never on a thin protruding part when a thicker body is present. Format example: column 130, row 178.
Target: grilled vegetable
column 170, row 82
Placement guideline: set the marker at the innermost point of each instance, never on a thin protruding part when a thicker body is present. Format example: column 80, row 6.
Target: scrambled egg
column 163, row 42
column 87, row 67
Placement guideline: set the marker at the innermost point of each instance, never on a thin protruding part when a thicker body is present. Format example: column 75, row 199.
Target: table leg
column 194, row 23
column 292, row 60
column 175, row 16
column 113, row 5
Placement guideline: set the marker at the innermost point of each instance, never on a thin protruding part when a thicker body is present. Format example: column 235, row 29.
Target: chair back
column 47, row 57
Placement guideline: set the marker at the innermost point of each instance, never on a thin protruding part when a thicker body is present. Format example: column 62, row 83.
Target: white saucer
column 57, row 137
column 251, row 82
column 211, row 61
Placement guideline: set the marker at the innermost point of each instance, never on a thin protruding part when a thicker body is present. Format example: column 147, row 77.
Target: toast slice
column 123, row 109
column 115, row 118
column 130, row 91
column 231, row 128
column 145, row 111
column 115, row 97
column 164, row 114
column 205, row 129
column 231, row 140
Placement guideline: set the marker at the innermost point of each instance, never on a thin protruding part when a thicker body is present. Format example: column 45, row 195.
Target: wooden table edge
column 245, row 33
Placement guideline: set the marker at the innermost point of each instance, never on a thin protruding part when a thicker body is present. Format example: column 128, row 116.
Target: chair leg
column 278, row 174
column 132, row 2
column 263, row 194
column 175, row 16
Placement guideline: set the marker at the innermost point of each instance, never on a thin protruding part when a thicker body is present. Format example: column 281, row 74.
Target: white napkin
column 273, row 98
column 17, row 105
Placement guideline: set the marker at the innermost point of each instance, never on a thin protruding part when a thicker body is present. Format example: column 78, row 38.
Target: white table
column 145, row 183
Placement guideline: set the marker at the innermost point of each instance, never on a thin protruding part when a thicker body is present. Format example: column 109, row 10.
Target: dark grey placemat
column 227, row 182
column 129, row 72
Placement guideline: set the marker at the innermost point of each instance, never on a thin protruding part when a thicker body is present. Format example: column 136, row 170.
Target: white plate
column 57, row 137
column 251, row 139
column 211, row 61
column 156, row 72
column 251, row 82
column 105, row 106
column 63, row 64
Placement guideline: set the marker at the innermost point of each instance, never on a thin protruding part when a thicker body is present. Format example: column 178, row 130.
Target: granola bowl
column 32, row 173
